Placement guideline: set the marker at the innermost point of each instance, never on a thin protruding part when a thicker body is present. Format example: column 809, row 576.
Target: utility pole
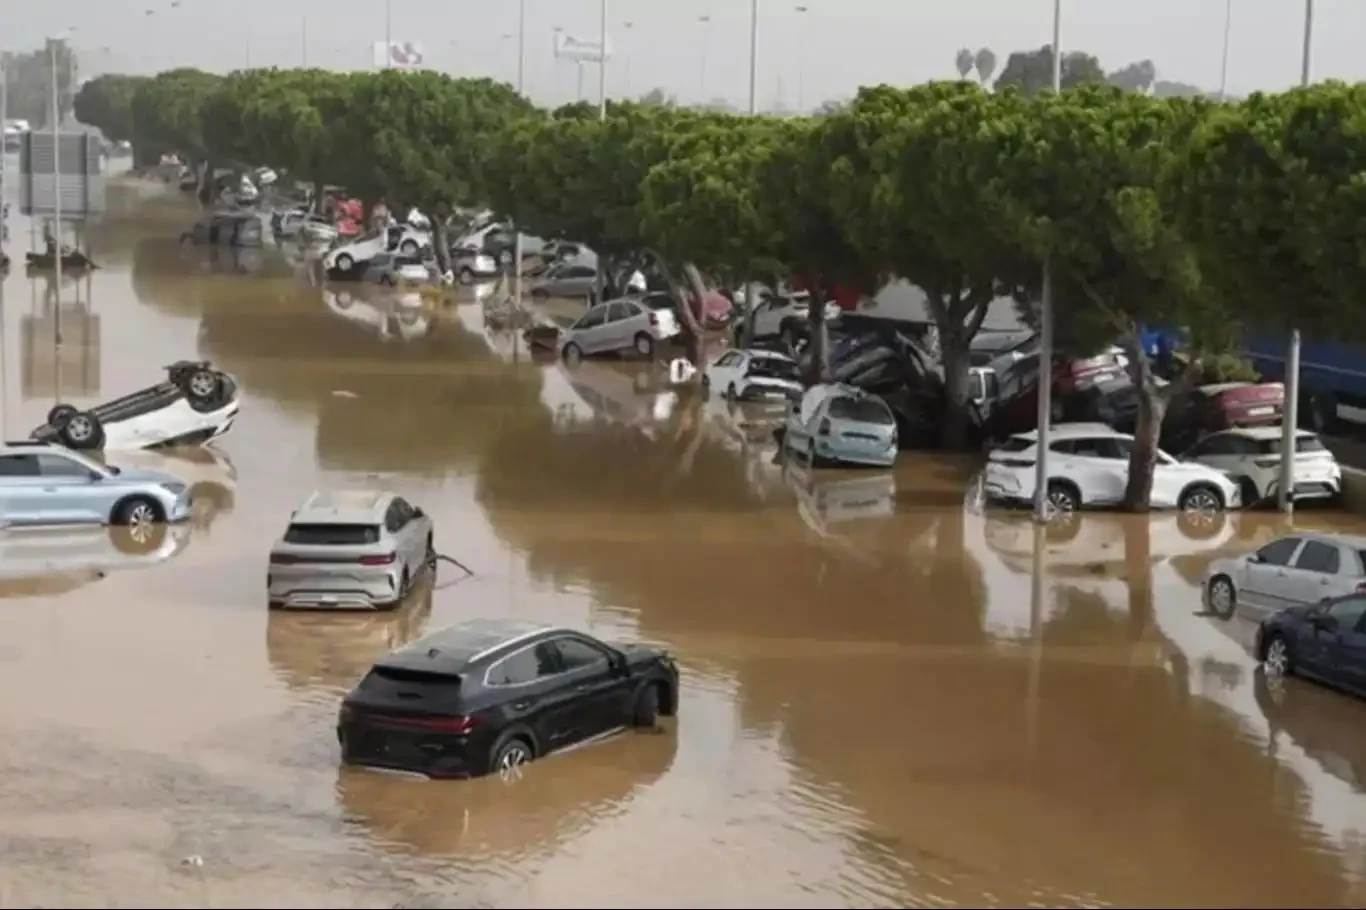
column 1045, row 414
column 602, row 61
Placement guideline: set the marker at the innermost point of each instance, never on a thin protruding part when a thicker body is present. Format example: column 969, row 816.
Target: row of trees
column 1175, row 212
column 1031, row 72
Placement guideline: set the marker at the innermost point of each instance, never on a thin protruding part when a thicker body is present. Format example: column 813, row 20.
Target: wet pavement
column 880, row 706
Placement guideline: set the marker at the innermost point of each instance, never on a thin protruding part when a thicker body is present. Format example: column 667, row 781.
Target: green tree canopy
column 106, row 103
column 1032, row 71
column 167, row 109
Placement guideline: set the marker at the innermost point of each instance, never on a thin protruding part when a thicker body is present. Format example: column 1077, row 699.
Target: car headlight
column 175, row 489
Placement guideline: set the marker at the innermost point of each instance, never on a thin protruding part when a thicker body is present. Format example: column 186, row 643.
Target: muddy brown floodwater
column 879, row 709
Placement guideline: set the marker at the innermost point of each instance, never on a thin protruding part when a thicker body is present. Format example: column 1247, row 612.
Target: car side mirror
column 618, row 662
column 1254, row 558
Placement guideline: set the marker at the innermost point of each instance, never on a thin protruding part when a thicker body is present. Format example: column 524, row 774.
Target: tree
column 1085, row 191
column 1270, row 195
column 1136, row 77
column 965, row 62
column 1032, row 71
column 166, row 112
column 985, row 62
column 106, row 103
column 913, row 193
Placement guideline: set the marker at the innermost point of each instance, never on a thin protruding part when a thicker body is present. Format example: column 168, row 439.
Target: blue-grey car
column 45, row 484
column 841, row 424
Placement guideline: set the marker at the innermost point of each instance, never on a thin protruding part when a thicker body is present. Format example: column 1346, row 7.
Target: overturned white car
column 195, row 404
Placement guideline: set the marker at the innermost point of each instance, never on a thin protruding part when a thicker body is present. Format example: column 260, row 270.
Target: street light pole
column 602, row 61
column 1290, row 413
column 753, row 57
column 388, row 33
column 801, row 12
column 521, row 47
column 1223, row 65
column 1045, row 414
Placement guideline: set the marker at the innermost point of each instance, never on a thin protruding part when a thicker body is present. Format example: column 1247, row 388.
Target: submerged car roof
column 449, row 651
column 343, row 507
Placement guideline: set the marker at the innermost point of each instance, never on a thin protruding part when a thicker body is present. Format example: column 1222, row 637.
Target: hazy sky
column 825, row 52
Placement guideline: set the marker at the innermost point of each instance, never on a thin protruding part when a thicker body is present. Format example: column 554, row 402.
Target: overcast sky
column 826, row 52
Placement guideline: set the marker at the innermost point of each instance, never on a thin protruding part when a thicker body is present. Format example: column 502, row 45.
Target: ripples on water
column 872, row 714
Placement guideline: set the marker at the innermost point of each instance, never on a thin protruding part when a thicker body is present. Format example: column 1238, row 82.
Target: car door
column 1325, row 646
column 724, row 371
column 21, row 490
column 590, row 330
column 581, row 281
column 1315, row 574
column 534, row 691
column 602, row 693
column 72, row 493
column 618, row 330
column 1351, row 651
column 1264, row 574
column 1217, row 451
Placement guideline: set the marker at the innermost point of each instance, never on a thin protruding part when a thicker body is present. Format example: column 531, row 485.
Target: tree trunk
column 317, row 197
column 818, row 340
column 439, row 245
column 691, row 329
column 690, row 308
column 953, row 351
column 1152, row 407
column 204, row 189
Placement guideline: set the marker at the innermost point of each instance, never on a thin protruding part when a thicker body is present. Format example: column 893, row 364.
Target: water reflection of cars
column 826, row 501
column 631, row 396
column 402, row 316
column 491, row 818
column 54, row 559
column 209, row 473
column 1324, row 641
column 1331, row 730
column 332, row 650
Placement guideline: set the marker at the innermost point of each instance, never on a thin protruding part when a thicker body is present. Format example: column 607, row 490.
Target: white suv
column 1088, row 465
column 1252, row 457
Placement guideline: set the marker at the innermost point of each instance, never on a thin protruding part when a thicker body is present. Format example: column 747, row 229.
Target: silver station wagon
column 350, row 549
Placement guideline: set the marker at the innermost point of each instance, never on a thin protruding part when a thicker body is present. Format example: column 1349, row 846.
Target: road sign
column 398, row 54
column 80, row 175
column 581, row 50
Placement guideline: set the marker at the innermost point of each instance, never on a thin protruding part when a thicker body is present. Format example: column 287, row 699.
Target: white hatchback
column 1252, row 457
column 753, row 374
column 1304, row 568
column 1088, row 466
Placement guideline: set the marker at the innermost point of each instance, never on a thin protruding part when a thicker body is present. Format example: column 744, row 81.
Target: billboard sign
column 80, row 175
column 398, row 54
column 567, row 47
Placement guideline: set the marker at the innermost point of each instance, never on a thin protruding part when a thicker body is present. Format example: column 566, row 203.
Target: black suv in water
column 491, row 695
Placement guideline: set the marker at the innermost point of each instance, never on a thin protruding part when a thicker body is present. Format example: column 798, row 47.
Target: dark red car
column 1222, row 406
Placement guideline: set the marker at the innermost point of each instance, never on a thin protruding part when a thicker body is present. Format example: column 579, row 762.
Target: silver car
column 619, row 325
column 392, row 269
column 47, row 484
column 567, row 279
column 352, row 549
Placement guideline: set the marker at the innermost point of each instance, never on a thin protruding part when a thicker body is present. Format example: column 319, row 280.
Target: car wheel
column 510, row 757
column 645, row 345
column 1220, row 597
column 731, row 394
column 1063, row 497
column 1200, row 497
column 81, row 431
column 138, row 514
column 706, row 386
column 645, row 714
column 1277, row 660
column 408, row 247
column 138, row 539
column 59, row 414
column 573, row 354
column 201, row 385
column 345, row 262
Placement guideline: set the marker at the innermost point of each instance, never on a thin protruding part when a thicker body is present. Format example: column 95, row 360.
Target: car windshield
column 774, row 368
column 1302, row 444
column 864, row 410
column 338, row 535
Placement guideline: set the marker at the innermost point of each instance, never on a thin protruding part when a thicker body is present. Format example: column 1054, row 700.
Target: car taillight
column 459, row 724
column 824, row 428
column 283, row 559
column 386, row 559
column 1361, row 587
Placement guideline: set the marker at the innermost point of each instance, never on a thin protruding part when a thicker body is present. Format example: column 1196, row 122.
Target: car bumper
column 439, row 758
column 181, row 510
column 846, row 455
column 314, row 590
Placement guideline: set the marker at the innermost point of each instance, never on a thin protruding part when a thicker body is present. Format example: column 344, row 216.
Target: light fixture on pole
column 1045, row 413
column 602, row 61
column 1290, row 415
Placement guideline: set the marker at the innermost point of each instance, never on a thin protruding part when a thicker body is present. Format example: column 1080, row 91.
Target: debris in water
column 194, row 860
column 343, row 393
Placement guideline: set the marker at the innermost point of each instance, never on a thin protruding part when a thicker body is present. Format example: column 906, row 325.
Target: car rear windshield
column 415, row 677
column 1302, row 444
column 332, row 535
column 866, row 410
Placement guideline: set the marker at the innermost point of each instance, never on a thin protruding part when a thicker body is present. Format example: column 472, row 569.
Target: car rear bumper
column 383, row 750
column 319, row 590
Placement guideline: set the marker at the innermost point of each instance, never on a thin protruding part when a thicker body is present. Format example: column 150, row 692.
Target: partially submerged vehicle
column 72, row 261
column 226, row 229
column 195, row 404
column 841, row 424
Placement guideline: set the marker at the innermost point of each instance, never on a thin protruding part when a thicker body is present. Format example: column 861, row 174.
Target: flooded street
column 879, row 707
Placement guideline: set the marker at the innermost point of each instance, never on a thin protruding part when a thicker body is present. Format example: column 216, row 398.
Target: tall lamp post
column 801, row 12
column 1223, row 62
column 1285, row 494
column 602, row 60
column 753, row 57
column 1045, row 414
